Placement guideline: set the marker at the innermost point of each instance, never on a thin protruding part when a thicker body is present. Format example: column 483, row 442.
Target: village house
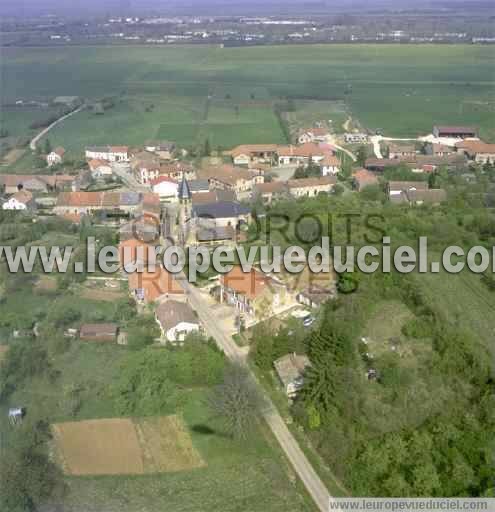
column 216, row 235
column 311, row 187
column 145, row 228
column 395, row 188
column 401, row 150
column 435, row 149
column 433, row 197
column 477, row 150
column 147, row 170
column 356, row 138
column 163, row 149
column 35, row 183
column 290, row 370
column 101, row 332
column 330, row 165
column 363, row 178
column 176, row 320
column 252, row 293
column 148, row 286
column 247, row 154
column 22, row 200
column 240, row 181
column 198, row 186
column 455, row 132
column 145, row 166
column 314, row 296
column 271, row 191
column 166, row 188
column 177, row 170
column 379, row 164
column 212, row 196
column 135, row 249
column 99, row 168
column 55, row 157
column 108, row 153
column 319, row 134
column 91, row 202
column 300, row 155
column 223, row 213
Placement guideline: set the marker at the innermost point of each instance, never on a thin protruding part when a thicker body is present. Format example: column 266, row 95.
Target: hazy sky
column 35, row 7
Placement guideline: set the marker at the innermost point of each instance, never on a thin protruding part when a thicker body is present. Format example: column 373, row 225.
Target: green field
column 227, row 94
column 252, row 474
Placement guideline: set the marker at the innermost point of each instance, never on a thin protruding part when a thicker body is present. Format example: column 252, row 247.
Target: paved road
column 32, row 144
column 123, row 171
column 301, row 465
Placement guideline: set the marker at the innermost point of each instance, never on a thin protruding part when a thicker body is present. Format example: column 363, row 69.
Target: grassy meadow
column 188, row 93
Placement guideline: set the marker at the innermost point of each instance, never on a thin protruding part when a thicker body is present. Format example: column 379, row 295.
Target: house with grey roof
column 222, row 213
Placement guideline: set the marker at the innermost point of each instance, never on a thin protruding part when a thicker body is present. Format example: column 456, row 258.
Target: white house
column 22, row 200
column 55, row 157
column 330, row 165
column 311, row 187
column 300, row 155
column 166, row 188
column 356, row 138
column 108, row 153
column 176, row 320
column 313, row 135
column 100, row 168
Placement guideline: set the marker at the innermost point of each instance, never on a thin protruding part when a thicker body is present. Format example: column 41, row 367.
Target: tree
column 142, row 332
column 236, row 401
column 362, row 155
column 28, row 479
column 47, row 146
column 207, row 148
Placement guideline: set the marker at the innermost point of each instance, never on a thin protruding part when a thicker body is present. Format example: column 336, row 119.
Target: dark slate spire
column 184, row 190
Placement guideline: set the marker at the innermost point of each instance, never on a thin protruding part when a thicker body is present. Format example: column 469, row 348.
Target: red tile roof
column 252, row 284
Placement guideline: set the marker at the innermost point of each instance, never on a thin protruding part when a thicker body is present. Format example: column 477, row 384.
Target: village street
column 288, row 443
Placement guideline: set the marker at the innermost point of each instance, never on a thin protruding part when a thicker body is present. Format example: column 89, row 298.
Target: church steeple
column 184, row 190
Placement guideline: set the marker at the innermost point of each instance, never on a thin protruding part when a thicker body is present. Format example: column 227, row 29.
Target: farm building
column 455, row 132
column 102, row 332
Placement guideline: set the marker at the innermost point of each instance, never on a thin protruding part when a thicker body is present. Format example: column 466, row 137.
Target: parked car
column 308, row 321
